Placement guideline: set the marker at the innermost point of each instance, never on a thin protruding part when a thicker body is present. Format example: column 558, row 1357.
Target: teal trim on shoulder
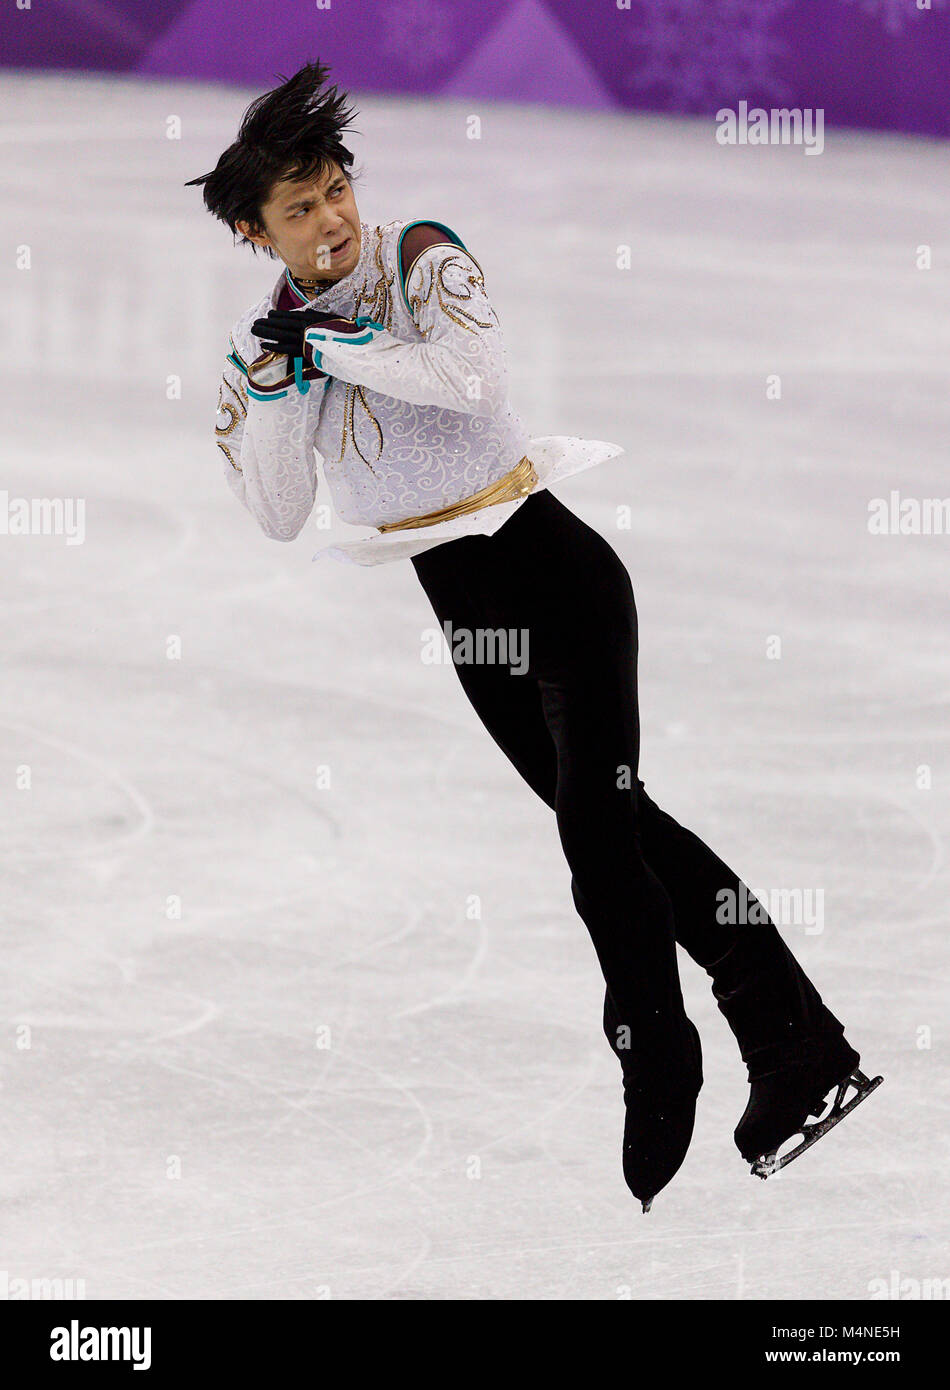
column 428, row 222
column 231, row 357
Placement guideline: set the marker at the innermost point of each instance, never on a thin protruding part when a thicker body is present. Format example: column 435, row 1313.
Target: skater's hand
column 282, row 330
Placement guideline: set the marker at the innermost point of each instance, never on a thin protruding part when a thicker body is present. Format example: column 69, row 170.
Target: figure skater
column 379, row 348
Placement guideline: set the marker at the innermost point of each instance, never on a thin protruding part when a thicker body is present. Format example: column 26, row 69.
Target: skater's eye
column 301, row 209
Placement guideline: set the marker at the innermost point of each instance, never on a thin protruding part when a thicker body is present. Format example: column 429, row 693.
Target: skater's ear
column 255, row 234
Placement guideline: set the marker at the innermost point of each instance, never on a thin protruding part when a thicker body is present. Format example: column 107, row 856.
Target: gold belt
column 518, row 483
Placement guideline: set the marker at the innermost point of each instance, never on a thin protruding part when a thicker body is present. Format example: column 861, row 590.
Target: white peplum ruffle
column 554, row 456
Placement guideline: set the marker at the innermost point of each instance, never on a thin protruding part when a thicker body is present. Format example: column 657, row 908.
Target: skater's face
column 312, row 224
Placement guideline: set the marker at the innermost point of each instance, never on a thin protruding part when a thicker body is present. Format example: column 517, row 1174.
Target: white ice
column 371, row 1041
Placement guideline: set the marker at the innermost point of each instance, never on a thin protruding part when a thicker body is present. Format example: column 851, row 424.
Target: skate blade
column 770, row 1163
column 647, row 1205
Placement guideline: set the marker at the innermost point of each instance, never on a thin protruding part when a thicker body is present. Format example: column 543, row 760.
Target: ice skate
column 658, row 1126
column 825, row 1117
column 791, row 1092
column 787, row 1090
column 793, row 1046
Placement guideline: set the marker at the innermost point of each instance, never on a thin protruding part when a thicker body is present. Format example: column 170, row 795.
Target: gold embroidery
column 379, row 299
column 235, row 414
column 238, row 396
column 417, row 301
column 229, row 456
column 349, row 425
column 437, row 282
column 225, row 408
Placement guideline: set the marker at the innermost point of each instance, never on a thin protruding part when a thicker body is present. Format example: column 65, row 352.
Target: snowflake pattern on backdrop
column 896, row 15
column 418, row 34
column 705, row 51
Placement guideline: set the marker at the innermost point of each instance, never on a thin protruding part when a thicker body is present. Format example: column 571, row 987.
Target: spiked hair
column 292, row 132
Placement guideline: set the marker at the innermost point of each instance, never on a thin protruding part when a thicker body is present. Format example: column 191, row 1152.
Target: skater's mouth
column 342, row 248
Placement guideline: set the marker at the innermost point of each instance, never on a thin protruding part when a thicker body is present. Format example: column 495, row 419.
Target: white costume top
column 413, row 414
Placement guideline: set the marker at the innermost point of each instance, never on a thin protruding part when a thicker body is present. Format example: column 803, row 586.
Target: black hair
column 292, row 132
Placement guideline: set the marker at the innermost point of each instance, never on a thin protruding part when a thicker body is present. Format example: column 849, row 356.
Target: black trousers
column 570, row 725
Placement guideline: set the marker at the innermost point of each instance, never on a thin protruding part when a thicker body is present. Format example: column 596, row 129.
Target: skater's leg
column 562, row 584
column 790, row 1041
column 571, row 726
column 772, row 1007
column 629, row 916
column 695, row 878
column 508, row 705
column 621, row 900
column 510, row 708
column 793, row 1046
column 762, row 991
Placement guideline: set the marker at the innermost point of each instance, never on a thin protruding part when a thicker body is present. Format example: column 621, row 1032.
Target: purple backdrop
column 876, row 63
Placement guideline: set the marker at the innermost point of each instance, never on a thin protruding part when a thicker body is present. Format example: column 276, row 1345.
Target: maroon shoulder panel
column 416, row 240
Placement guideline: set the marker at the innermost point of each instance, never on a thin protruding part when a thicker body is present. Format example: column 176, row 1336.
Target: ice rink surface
column 271, row 1038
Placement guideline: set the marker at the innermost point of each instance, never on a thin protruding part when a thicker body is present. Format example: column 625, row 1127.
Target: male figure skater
column 380, row 348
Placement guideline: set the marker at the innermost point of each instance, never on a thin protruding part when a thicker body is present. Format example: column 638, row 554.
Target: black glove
column 282, row 330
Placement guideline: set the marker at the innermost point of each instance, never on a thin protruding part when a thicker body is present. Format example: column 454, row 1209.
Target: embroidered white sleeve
column 267, row 448
column 460, row 365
